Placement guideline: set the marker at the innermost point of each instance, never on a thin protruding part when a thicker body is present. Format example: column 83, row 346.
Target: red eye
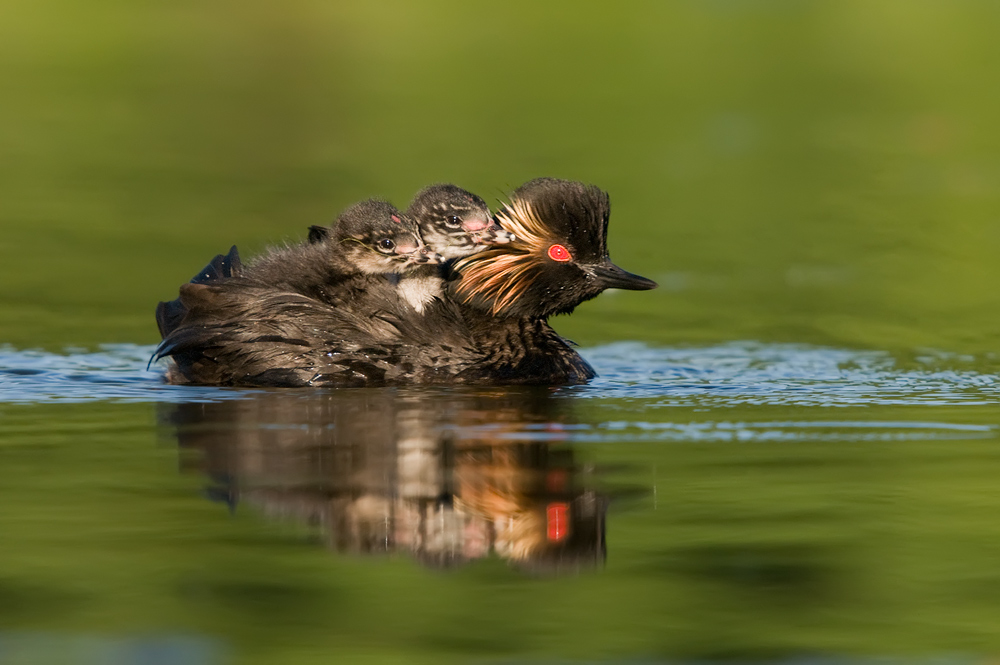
column 559, row 253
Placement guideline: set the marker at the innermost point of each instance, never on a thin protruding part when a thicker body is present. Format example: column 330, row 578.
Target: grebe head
column 557, row 260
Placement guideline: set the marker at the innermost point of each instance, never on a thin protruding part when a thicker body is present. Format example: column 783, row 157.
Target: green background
column 788, row 170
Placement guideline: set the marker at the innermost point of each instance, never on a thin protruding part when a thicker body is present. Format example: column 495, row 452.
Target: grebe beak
column 613, row 277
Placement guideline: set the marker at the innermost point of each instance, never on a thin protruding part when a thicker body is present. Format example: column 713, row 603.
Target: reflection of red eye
column 559, row 253
column 557, row 518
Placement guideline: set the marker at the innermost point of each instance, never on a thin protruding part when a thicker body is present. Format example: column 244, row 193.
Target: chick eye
column 386, row 245
column 559, row 253
column 453, row 220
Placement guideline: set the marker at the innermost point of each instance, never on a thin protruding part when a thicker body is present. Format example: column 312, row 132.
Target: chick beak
column 417, row 254
column 492, row 234
column 611, row 276
column 423, row 255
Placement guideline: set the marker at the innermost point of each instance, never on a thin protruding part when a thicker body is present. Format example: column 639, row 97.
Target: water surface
column 747, row 499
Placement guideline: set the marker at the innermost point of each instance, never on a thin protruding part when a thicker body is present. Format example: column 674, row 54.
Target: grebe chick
column 369, row 238
column 454, row 223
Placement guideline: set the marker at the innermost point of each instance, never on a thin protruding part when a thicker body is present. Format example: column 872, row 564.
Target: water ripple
column 747, row 373
column 735, row 374
column 750, row 432
column 116, row 373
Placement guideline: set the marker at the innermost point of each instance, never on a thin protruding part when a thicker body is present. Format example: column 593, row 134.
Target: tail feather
column 170, row 314
column 223, row 266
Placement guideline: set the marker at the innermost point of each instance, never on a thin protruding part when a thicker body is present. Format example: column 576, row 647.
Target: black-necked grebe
column 489, row 326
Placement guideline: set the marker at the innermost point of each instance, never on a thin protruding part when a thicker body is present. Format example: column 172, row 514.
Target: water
column 745, row 499
column 733, row 374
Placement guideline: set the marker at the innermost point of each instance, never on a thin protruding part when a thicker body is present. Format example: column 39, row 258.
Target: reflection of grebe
column 378, row 472
column 525, row 493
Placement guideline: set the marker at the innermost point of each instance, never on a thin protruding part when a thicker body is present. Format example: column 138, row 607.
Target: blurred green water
column 809, row 171
column 731, row 550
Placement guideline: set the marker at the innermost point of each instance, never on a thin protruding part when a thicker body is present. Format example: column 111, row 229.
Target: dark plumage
column 224, row 266
column 232, row 322
column 490, row 328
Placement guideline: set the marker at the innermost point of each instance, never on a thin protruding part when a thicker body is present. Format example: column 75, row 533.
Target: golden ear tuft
column 497, row 276
column 501, row 276
column 519, row 218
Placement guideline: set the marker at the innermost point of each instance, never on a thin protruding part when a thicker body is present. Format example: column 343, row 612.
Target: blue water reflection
column 734, row 374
